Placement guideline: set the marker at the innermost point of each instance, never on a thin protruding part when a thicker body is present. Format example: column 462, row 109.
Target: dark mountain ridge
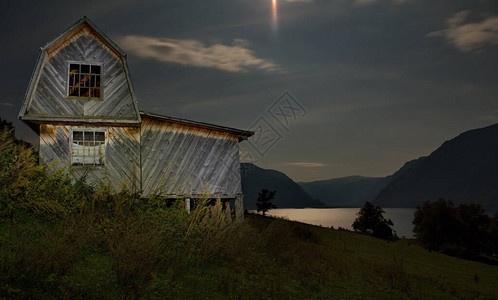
column 289, row 193
column 463, row 170
column 351, row 191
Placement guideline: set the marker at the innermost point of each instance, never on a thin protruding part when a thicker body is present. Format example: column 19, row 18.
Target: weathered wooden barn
column 81, row 102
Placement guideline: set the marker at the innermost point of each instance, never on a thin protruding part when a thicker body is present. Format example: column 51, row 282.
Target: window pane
column 88, row 136
column 77, row 136
column 100, row 136
column 97, row 93
column 73, row 91
column 84, row 80
column 95, row 69
column 84, row 92
column 71, row 80
column 97, row 81
column 85, row 68
column 74, row 68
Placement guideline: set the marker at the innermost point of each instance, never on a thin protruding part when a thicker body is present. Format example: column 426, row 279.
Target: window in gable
column 85, row 80
column 88, row 147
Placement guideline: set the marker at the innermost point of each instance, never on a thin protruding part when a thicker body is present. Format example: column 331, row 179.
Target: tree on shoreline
column 264, row 200
column 370, row 220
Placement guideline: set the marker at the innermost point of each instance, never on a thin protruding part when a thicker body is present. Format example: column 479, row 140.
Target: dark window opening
column 84, row 80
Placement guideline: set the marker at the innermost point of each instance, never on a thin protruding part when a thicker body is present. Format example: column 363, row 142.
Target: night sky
column 372, row 83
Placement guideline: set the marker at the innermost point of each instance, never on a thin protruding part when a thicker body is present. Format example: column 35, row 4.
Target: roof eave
column 242, row 134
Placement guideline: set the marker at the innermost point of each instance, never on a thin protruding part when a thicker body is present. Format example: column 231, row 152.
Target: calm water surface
column 344, row 217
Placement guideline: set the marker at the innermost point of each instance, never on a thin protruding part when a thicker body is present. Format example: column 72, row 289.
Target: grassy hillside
column 263, row 258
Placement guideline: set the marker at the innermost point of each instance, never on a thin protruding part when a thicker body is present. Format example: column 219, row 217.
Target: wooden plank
column 54, row 145
column 123, row 157
column 160, row 156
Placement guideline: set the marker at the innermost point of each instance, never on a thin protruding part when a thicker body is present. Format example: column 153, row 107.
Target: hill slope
column 289, row 194
column 464, row 170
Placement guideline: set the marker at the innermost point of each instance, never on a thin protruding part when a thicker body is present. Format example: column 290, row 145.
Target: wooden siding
column 122, row 157
column 186, row 160
column 49, row 96
column 54, row 145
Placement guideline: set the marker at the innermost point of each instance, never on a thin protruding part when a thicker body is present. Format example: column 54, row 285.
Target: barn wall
column 122, row 158
column 54, row 145
column 49, row 97
column 186, row 160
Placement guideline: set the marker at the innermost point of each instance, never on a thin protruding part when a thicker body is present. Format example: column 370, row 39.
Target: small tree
column 371, row 221
column 264, row 200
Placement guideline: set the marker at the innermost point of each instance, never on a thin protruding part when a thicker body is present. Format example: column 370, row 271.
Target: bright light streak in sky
column 274, row 16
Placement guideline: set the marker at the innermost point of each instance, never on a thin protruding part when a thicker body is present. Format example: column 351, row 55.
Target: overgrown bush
column 464, row 231
column 17, row 169
column 24, row 184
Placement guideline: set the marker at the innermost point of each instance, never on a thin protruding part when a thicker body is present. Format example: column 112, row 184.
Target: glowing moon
column 274, row 16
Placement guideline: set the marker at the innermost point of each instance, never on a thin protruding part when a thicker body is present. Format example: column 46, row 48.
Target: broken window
column 84, row 80
column 88, row 147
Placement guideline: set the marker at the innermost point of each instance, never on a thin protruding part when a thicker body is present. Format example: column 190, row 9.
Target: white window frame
column 91, row 63
column 89, row 129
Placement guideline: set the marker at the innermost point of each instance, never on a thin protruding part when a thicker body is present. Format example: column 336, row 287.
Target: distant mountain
column 350, row 191
column 463, row 170
column 289, row 193
column 353, row 191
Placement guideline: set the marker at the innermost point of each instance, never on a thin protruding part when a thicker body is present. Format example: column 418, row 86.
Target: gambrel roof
column 46, row 98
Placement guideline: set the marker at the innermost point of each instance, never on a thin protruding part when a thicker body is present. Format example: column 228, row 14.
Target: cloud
column 469, row 37
column 237, row 57
column 6, row 104
column 299, row 0
column 306, row 164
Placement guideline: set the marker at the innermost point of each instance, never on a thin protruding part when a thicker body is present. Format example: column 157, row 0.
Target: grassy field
column 203, row 255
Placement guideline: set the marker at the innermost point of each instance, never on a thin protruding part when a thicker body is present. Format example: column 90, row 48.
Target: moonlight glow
column 274, row 16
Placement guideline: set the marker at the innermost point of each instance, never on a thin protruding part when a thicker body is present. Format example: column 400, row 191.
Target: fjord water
column 344, row 217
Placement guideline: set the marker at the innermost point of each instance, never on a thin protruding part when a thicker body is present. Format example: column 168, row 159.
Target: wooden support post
column 239, row 208
column 187, row 204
